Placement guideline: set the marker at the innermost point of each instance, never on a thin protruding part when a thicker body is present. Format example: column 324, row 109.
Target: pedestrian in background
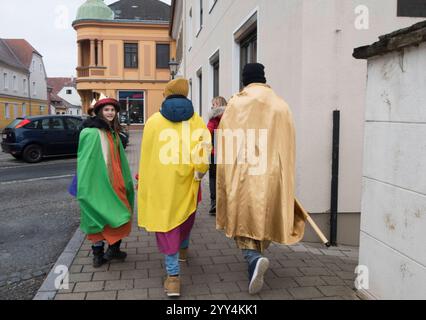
column 169, row 176
column 218, row 108
column 105, row 189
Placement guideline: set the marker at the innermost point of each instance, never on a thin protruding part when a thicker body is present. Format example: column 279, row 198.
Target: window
column 190, row 30
column 5, row 80
column 214, row 62
column 44, row 124
column 411, row 8
column 69, row 91
column 34, row 89
column 24, row 85
column 14, row 82
column 73, row 124
column 132, row 104
column 248, row 52
column 130, row 55
column 42, row 108
column 163, row 56
column 200, row 91
column 6, row 111
column 212, row 3
column 24, row 110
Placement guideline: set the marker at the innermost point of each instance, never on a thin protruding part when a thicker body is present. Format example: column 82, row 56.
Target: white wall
column 38, row 75
column 18, row 90
column 73, row 98
column 309, row 63
column 393, row 220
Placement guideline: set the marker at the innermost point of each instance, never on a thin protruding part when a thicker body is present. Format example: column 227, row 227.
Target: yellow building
column 23, row 88
column 123, row 52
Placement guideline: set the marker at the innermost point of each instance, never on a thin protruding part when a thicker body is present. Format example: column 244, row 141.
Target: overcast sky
column 46, row 24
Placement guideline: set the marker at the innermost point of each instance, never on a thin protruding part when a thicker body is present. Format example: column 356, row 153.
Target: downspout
column 29, row 92
column 335, row 178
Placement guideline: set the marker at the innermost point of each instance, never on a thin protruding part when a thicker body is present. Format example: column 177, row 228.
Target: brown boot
column 172, row 286
column 183, row 255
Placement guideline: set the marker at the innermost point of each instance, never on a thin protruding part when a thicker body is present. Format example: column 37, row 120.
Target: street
column 38, row 218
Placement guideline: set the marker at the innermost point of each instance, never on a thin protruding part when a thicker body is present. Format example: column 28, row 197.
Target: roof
column 94, row 9
column 8, row 57
column 394, row 41
column 149, row 10
column 57, row 84
column 22, row 50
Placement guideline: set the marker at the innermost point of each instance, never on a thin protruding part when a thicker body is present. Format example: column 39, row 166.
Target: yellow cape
column 171, row 154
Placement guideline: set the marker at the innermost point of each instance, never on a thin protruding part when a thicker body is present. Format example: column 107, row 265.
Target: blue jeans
column 251, row 255
column 172, row 261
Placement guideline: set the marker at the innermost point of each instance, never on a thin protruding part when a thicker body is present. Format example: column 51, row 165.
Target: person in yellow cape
column 255, row 178
column 175, row 154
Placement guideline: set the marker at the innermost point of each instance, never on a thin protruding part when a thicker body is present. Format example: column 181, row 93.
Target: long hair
column 221, row 101
column 115, row 125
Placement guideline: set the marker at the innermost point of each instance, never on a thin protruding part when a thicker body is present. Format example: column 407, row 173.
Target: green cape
column 99, row 204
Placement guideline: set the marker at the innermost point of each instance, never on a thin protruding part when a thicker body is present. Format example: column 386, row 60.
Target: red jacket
column 213, row 124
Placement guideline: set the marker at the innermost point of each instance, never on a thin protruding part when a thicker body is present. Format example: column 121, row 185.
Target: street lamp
column 173, row 66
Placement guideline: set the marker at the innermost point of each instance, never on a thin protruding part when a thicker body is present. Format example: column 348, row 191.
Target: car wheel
column 32, row 153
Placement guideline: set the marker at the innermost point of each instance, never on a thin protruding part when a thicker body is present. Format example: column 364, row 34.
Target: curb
column 48, row 290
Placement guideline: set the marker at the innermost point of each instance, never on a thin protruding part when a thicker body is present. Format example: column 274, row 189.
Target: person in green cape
column 105, row 188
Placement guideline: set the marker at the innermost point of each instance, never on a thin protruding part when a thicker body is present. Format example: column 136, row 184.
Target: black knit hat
column 254, row 73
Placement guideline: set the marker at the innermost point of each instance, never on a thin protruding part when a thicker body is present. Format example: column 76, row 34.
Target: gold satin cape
column 258, row 206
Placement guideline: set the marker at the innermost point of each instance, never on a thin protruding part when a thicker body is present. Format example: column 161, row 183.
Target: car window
column 57, row 124
column 73, row 124
column 33, row 125
column 44, row 124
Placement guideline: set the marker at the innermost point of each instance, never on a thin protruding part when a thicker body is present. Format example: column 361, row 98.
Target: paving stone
column 240, row 266
column 281, row 283
column 135, row 294
column 275, row 294
column 305, row 293
column 108, row 275
column 104, row 295
column 75, row 268
column 317, row 271
column 233, row 276
column 346, row 275
column 119, row 284
column 87, row 260
column 197, row 261
column 224, row 287
column 333, row 281
column 330, row 291
column 134, row 274
column 287, row 272
column 185, row 270
column 149, row 264
column 224, row 259
column 70, row 296
column 195, row 289
column 309, row 281
column 154, row 293
column 89, row 286
column 90, row 268
column 220, row 296
column 155, row 256
column 149, row 283
column 209, row 253
column 119, row 266
column 242, row 296
column 294, row 263
column 215, row 268
column 69, row 290
column 205, row 278
column 80, row 277
column 83, row 254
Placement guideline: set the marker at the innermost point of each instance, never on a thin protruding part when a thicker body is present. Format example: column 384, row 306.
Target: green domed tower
column 94, row 10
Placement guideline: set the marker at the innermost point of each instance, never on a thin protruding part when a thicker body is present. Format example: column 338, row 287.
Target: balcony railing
column 87, row 72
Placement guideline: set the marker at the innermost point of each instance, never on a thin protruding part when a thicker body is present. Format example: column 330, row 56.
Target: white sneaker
column 256, row 282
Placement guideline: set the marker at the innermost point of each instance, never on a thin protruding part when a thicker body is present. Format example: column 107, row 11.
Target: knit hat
column 177, row 87
column 104, row 101
column 254, row 73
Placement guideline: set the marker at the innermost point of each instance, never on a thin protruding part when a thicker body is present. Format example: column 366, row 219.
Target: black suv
column 33, row 138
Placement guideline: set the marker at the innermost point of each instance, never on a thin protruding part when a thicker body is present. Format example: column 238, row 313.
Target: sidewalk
column 215, row 268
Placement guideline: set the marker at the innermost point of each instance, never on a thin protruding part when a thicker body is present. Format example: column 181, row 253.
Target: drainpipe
column 335, row 178
column 29, row 92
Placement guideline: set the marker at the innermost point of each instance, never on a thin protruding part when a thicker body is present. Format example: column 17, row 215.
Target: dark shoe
column 98, row 256
column 257, row 270
column 114, row 253
column 212, row 211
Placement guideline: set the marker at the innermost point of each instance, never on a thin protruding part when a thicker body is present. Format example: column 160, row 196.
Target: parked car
column 33, row 138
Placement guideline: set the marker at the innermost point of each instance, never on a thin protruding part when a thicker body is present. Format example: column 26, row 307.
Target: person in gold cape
column 255, row 177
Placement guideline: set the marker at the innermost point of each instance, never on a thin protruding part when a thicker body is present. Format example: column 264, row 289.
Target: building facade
column 23, row 87
column 124, row 52
column 306, row 46
column 63, row 96
column 393, row 220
